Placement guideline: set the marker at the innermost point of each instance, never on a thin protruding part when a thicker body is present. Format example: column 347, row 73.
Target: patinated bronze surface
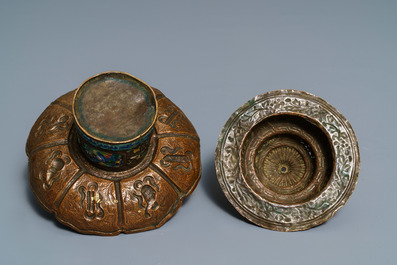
column 129, row 180
column 287, row 160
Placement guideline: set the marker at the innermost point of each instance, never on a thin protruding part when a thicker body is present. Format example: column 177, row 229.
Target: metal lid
column 287, row 160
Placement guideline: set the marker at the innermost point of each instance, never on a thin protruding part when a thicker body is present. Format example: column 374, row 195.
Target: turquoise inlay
column 103, row 158
column 116, row 147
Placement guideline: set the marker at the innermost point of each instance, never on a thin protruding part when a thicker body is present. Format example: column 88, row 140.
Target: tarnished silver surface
column 319, row 205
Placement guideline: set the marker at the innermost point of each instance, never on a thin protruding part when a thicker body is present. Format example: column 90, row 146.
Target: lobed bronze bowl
column 287, row 160
column 113, row 156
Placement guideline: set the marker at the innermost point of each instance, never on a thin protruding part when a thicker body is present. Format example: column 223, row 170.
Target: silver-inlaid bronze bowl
column 287, row 160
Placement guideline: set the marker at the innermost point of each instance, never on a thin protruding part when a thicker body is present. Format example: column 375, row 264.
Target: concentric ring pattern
column 287, row 160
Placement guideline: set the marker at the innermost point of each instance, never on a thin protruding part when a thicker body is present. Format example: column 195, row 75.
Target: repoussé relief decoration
column 114, row 156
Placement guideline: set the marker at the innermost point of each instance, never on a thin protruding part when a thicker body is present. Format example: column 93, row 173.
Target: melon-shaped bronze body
column 128, row 186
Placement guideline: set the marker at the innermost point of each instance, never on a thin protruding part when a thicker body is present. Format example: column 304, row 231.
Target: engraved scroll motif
column 92, row 199
column 171, row 117
column 49, row 125
column 56, row 162
column 180, row 161
column 145, row 193
column 341, row 143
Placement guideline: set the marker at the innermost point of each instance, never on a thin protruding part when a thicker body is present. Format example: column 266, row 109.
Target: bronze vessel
column 113, row 156
column 287, row 160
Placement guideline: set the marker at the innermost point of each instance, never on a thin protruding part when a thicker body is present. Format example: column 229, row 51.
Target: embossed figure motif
column 52, row 124
column 171, row 117
column 55, row 163
column 179, row 161
column 92, row 199
column 145, row 193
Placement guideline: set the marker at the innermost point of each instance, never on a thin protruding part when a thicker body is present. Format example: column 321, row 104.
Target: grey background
column 208, row 57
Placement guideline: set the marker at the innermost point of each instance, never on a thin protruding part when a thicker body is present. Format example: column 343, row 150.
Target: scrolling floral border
column 287, row 217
